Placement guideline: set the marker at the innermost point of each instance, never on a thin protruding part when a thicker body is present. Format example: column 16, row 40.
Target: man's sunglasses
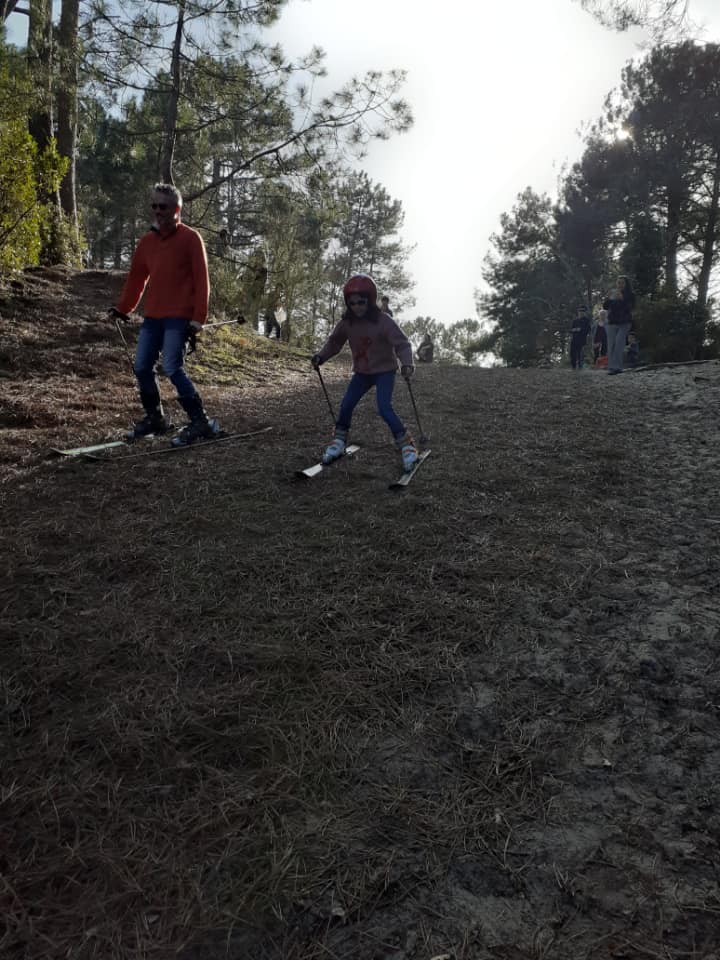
column 358, row 301
column 159, row 206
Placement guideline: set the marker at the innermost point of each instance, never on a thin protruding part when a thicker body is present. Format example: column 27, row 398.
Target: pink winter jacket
column 374, row 344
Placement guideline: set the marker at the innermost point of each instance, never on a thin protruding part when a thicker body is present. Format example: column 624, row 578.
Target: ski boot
column 200, row 426
column 336, row 448
column 154, row 421
column 408, row 452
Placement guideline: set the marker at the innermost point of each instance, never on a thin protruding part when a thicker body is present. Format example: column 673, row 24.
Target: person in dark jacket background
column 425, row 351
column 579, row 333
column 619, row 307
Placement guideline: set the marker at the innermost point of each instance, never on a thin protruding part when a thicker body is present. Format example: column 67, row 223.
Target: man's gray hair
column 169, row 190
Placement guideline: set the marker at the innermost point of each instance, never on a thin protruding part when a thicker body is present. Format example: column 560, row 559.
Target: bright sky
column 499, row 92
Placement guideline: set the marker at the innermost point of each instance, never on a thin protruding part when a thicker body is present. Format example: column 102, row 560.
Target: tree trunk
column 286, row 329
column 67, row 112
column 672, row 241
column 6, row 8
column 170, row 125
column 39, row 55
column 221, row 240
column 709, row 240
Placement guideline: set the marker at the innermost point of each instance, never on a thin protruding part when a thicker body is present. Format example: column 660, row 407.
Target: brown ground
column 254, row 717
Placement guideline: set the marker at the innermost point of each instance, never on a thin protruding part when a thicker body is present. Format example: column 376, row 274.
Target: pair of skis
column 91, row 452
column 403, row 481
column 96, row 452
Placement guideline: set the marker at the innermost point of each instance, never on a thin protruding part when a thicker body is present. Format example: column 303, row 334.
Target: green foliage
column 455, row 341
column 452, row 343
column 643, row 256
column 24, row 177
column 60, row 243
column 366, row 223
column 416, row 329
column 672, row 329
column 226, row 291
column 19, row 208
column 533, row 286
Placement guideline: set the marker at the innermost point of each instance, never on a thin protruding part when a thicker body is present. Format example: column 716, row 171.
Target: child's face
column 358, row 304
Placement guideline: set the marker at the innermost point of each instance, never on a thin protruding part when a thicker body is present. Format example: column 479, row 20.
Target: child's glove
column 316, row 361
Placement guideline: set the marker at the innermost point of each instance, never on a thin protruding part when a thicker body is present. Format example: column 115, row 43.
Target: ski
column 319, row 467
column 222, row 437
column 407, row 477
column 84, row 451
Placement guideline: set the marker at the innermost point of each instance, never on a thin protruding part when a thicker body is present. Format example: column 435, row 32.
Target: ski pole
column 423, row 438
column 223, row 323
column 322, row 384
column 115, row 314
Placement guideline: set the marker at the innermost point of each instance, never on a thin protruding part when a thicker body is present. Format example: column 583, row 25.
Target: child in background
column 633, row 350
column 375, row 343
column 600, row 341
column 579, row 330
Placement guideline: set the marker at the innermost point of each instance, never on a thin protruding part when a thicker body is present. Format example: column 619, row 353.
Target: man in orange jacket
column 169, row 261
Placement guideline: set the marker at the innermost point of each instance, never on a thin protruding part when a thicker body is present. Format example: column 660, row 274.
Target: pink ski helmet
column 362, row 285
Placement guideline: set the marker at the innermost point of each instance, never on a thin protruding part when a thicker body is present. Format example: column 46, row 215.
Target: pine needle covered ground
column 257, row 717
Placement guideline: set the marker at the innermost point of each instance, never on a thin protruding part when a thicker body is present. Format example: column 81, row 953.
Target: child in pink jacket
column 376, row 343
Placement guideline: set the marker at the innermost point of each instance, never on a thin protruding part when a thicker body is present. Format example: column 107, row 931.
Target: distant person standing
column 271, row 323
column 600, row 341
column 619, row 306
column 578, row 338
column 426, row 350
column 385, row 306
column 281, row 321
column 170, row 261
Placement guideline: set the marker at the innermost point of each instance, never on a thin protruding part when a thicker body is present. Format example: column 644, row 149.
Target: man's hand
column 407, row 370
column 116, row 315
column 191, row 332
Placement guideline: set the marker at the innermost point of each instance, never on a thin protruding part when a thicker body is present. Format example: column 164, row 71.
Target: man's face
column 164, row 210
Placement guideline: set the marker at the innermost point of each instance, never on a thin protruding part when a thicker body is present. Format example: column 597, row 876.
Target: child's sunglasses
column 159, row 206
column 358, row 301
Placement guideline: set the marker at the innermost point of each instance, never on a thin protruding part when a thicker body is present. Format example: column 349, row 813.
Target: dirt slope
column 253, row 717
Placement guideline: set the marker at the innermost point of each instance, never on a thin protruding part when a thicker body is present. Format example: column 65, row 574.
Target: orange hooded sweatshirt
column 174, row 269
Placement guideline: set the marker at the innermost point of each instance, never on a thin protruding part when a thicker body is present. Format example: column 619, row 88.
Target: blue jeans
column 166, row 336
column 358, row 387
column 617, row 335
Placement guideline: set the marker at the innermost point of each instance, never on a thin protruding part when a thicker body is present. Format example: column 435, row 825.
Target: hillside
column 258, row 717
